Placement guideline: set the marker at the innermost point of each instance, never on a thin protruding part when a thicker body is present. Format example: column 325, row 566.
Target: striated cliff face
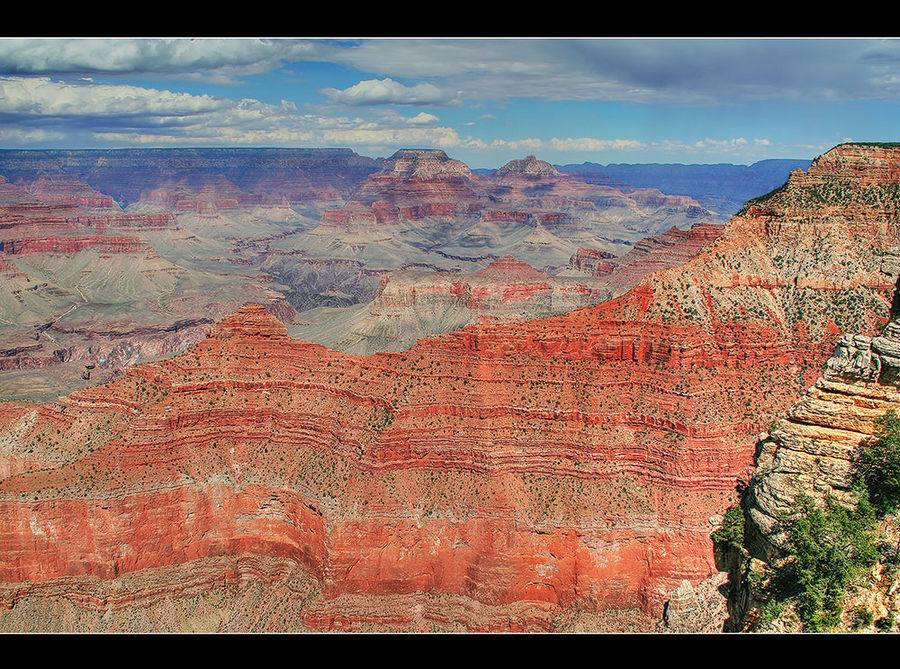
column 670, row 249
column 520, row 471
column 360, row 470
column 413, row 184
column 811, row 450
column 412, row 304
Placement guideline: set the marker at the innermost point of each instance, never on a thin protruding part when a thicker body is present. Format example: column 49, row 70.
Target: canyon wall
column 520, row 471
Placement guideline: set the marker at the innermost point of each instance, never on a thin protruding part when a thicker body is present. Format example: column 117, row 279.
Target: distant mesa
column 528, row 166
column 425, row 164
column 509, row 268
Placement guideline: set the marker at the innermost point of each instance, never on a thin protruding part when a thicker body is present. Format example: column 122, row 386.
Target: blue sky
column 482, row 101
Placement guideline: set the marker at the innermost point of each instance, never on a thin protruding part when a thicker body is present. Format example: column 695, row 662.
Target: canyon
column 114, row 257
column 557, row 473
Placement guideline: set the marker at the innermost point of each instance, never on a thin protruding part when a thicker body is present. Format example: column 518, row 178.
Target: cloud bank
column 389, row 92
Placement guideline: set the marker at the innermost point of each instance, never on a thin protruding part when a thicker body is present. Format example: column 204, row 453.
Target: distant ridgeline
column 721, row 187
column 123, row 173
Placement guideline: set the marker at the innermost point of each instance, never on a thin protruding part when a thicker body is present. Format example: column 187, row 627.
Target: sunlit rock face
column 812, row 449
column 517, row 471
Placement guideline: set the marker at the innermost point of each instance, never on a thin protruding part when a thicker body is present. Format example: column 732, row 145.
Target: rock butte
column 520, row 470
column 424, row 186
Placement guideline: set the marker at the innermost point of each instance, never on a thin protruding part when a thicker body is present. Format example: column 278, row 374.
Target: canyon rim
column 255, row 380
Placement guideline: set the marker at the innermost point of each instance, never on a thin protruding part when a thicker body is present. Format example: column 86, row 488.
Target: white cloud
column 424, row 118
column 215, row 60
column 27, row 136
column 592, row 144
column 389, row 92
column 40, row 96
column 38, row 109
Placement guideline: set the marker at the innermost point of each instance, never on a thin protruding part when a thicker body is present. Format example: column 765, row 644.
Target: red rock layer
column 61, row 225
column 573, row 461
column 507, row 288
column 67, row 189
column 520, row 517
column 670, row 249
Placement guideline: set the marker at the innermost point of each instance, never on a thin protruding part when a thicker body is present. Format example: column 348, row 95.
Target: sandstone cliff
column 519, row 471
column 811, row 450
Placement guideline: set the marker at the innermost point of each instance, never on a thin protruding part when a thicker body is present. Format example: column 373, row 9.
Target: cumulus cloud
column 42, row 97
column 389, row 92
column 38, row 109
column 424, row 118
column 218, row 60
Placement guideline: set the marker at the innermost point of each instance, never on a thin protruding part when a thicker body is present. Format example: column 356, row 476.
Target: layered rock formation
column 85, row 290
column 521, row 471
column 527, row 209
column 413, row 184
column 812, row 449
column 670, row 249
column 412, row 304
column 264, row 176
column 349, row 468
column 529, row 166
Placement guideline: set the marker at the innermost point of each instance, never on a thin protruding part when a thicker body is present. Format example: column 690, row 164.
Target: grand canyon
column 286, row 390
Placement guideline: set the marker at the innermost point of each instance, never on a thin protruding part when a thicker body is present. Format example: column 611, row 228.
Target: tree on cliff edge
column 877, row 465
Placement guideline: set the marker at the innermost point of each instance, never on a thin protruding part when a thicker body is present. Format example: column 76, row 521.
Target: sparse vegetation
column 828, row 547
column 877, row 465
column 732, row 530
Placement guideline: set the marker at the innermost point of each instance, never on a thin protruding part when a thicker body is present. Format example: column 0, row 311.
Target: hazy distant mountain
column 722, row 187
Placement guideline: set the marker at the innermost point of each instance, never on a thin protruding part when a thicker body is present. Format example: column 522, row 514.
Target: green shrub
column 770, row 612
column 861, row 617
column 886, row 624
column 877, row 465
column 829, row 546
column 732, row 530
